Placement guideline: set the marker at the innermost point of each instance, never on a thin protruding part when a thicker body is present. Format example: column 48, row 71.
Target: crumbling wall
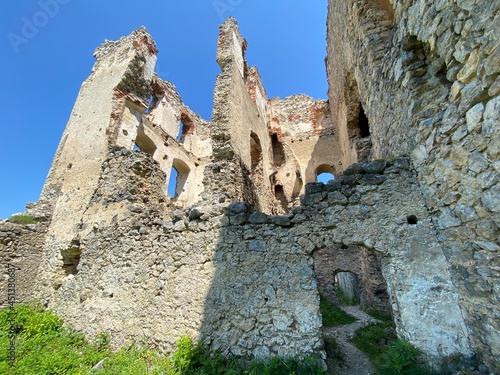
column 427, row 77
column 21, row 247
column 240, row 138
column 123, row 103
column 242, row 281
column 304, row 129
column 74, row 173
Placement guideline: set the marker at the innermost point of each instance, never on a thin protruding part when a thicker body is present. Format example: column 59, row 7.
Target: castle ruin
column 236, row 257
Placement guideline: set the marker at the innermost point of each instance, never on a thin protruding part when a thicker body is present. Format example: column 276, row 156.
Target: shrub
column 22, row 219
column 401, row 356
column 44, row 346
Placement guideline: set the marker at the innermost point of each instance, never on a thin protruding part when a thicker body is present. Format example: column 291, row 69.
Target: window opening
column 325, row 173
column 71, row 258
column 144, row 143
column 364, row 128
column 255, row 151
column 178, row 178
column 279, row 193
column 278, row 151
column 186, row 126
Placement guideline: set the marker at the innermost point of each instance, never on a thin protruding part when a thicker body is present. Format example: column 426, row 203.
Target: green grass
column 371, row 341
column 374, row 313
column 44, row 346
column 22, row 219
column 332, row 314
column 398, row 358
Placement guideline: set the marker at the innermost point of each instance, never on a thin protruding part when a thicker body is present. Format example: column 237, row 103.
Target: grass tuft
column 22, row 219
column 332, row 314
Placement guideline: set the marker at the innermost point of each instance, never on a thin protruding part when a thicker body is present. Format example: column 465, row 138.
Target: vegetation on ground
column 344, row 299
column 389, row 355
column 44, row 346
column 383, row 317
column 22, row 219
column 332, row 314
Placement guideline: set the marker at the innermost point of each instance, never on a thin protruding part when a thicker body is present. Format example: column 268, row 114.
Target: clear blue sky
column 46, row 53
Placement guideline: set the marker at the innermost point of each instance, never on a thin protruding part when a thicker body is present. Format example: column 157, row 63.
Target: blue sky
column 47, row 52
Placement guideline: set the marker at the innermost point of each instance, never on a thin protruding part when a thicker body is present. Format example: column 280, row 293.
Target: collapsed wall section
column 74, row 173
column 122, row 104
column 426, row 75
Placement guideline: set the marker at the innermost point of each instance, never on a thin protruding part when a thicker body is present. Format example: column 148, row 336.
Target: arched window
column 325, row 173
column 255, row 151
column 144, row 143
column 186, row 126
column 178, row 177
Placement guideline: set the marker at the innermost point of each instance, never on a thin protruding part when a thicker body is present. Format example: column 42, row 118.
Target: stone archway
column 335, row 265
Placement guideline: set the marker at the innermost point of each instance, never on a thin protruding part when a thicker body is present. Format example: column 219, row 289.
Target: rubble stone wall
column 21, row 247
column 243, row 281
column 427, row 76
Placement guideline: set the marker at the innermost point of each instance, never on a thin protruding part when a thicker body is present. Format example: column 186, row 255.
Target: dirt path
column 355, row 361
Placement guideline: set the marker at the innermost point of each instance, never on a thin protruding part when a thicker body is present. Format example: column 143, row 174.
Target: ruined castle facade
column 236, row 258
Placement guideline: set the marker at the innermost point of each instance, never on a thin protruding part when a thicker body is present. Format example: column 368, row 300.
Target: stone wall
column 242, row 281
column 21, row 247
column 426, row 74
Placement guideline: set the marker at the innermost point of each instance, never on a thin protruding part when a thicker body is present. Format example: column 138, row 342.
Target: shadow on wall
column 264, row 299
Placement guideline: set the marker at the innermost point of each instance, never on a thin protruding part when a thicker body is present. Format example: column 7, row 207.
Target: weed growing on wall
column 22, row 219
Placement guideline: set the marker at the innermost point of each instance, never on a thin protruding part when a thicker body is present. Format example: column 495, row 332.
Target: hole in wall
column 172, row 183
column 325, row 173
column 180, row 138
column 364, row 127
column 71, row 258
column 278, row 150
column 150, row 104
column 144, row 144
column 186, row 127
column 255, row 151
column 279, row 193
column 412, row 219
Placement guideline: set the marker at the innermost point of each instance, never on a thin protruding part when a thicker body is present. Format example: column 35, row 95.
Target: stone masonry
column 426, row 75
column 237, row 256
